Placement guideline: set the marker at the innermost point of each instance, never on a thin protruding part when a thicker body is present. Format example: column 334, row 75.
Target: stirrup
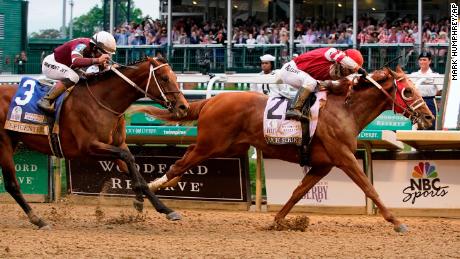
column 46, row 105
column 295, row 115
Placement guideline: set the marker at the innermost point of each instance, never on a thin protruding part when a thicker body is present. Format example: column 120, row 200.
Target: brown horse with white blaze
column 231, row 122
column 92, row 124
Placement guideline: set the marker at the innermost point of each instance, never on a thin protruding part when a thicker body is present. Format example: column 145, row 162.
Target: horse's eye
column 165, row 79
column 407, row 93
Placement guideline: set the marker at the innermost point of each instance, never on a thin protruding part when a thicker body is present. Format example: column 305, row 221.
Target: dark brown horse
column 229, row 123
column 92, row 124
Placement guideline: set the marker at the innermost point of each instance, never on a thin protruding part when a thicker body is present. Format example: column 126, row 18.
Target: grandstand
column 195, row 26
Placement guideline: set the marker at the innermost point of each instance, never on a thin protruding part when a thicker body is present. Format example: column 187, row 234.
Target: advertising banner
column 31, row 171
column 222, row 179
column 335, row 189
column 388, row 120
column 418, row 183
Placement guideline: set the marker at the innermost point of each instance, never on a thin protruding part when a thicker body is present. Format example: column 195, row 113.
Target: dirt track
column 119, row 232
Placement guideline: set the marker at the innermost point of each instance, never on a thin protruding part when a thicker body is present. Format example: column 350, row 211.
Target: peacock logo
column 424, row 170
column 425, row 182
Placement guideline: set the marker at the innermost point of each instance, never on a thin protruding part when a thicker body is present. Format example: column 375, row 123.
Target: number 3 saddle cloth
column 24, row 115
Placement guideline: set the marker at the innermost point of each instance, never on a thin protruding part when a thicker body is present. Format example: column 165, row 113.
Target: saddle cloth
column 278, row 130
column 24, row 115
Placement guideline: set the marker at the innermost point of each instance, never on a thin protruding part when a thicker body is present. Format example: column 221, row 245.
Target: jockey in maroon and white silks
column 319, row 64
column 74, row 54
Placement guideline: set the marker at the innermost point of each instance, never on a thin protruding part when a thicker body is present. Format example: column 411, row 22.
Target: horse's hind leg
column 192, row 157
column 309, row 180
column 11, row 183
column 352, row 169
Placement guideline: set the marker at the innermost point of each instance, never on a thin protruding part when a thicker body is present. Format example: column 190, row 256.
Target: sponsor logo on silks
column 317, row 192
column 425, row 183
column 16, row 113
column 80, row 47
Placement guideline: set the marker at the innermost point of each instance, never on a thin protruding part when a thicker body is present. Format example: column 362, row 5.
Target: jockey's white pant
column 296, row 78
column 57, row 71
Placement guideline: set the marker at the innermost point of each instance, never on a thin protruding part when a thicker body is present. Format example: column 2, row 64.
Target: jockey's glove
column 362, row 72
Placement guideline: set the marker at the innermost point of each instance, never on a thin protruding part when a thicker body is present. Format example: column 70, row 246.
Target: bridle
column 411, row 105
column 163, row 101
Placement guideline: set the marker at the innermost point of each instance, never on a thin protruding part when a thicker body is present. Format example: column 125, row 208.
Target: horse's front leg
column 138, row 202
column 139, row 183
column 309, row 180
column 119, row 140
column 351, row 167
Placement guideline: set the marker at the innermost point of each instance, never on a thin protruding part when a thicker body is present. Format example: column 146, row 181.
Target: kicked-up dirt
column 120, row 232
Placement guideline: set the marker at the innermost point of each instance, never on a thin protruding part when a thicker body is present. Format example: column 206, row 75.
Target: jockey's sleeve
column 340, row 57
column 80, row 61
column 77, row 57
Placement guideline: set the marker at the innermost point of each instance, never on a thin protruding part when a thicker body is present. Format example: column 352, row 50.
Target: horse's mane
column 379, row 76
column 347, row 85
column 108, row 73
column 363, row 84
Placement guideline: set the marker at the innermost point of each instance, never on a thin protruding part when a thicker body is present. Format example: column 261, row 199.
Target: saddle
column 25, row 116
column 279, row 131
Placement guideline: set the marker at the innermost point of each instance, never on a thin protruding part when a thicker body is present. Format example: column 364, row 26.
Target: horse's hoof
column 45, row 227
column 138, row 205
column 34, row 219
column 174, row 216
column 278, row 225
column 402, row 228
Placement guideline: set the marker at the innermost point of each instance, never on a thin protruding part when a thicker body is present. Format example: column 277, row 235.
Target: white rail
column 210, row 82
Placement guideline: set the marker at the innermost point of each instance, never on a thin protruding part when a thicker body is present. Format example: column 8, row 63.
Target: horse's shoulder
column 8, row 89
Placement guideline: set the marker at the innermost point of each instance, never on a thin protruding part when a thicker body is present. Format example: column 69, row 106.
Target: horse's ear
column 159, row 59
column 380, row 75
column 162, row 60
column 399, row 70
column 394, row 74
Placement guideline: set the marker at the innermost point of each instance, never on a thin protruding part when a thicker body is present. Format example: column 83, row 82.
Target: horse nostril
column 429, row 117
column 183, row 107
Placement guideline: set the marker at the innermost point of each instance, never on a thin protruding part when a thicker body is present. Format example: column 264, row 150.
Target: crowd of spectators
column 308, row 31
column 402, row 31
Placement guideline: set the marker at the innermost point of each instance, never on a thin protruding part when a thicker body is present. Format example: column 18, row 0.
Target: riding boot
column 46, row 102
column 295, row 109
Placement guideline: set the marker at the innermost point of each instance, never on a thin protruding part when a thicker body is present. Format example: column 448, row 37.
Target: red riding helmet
column 355, row 55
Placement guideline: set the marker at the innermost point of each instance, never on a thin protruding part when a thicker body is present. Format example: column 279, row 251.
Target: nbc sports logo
column 424, row 170
column 424, row 183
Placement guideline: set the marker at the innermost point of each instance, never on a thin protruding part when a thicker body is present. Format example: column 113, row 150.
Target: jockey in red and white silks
column 319, row 64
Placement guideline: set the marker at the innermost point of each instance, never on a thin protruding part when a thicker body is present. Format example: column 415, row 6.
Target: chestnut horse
column 231, row 122
column 92, row 124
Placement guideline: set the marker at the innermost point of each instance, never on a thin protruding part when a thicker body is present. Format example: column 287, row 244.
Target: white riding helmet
column 104, row 41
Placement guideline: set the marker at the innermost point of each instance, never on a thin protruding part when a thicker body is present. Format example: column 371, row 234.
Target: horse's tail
column 165, row 115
